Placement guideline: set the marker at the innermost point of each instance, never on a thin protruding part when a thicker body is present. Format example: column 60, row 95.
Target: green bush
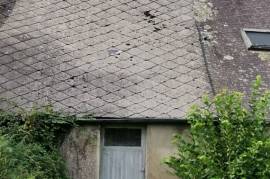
column 29, row 143
column 228, row 138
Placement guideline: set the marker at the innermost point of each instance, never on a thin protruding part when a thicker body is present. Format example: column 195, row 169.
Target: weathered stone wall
column 158, row 146
column 81, row 152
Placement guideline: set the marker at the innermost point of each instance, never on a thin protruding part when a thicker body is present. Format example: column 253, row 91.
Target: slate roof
column 113, row 58
column 231, row 64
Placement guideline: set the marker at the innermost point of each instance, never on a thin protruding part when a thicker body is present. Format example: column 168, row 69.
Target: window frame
column 247, row 40
column 137, row 139
column 143, row 135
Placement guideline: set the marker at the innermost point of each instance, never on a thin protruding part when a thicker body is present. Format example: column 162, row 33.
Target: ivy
column 29, row 144
column 228, row 138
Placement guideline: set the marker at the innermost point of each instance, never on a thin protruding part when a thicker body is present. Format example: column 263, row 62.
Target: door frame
column 128, row 126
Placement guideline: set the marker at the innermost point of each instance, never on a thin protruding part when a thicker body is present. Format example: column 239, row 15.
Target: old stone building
column 135, row 65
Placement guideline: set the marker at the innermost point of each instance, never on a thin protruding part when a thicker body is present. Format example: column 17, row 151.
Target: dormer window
column 256, row 39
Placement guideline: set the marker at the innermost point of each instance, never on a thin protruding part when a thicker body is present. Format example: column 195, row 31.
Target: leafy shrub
column 29, row 143
column 228, row 138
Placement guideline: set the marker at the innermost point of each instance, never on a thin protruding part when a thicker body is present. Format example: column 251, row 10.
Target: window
column 256, row 39
column 122, row 137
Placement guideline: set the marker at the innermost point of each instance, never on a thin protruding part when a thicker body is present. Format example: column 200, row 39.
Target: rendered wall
column 81, row 152
column 158, row 146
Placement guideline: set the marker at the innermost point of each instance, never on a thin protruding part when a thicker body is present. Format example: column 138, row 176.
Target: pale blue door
column 123, row 153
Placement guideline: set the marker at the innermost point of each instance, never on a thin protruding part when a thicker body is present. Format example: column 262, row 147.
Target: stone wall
column 81, row 152
column 158, row 146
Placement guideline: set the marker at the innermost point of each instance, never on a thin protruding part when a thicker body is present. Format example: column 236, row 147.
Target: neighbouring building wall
column 81, row 152
column 158, row 146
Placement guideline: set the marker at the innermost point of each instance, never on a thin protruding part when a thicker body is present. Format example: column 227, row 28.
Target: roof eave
column 119, row 120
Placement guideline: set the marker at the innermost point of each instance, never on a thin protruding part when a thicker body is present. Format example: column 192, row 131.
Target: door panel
column 119, row 163
column 122, row 162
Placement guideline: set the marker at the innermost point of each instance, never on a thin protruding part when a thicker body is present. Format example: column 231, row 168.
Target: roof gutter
column 119, row 120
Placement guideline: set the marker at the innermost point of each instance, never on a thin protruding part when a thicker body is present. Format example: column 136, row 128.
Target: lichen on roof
column 203, row 10
column 264, row 56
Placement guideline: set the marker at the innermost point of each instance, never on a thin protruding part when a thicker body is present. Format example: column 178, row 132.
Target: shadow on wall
column 6, row 7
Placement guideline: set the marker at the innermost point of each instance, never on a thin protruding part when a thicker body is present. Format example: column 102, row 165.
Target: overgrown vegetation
column 29, row 144
column 228, row 138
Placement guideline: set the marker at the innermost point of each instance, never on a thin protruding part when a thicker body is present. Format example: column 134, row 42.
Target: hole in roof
column 256, row 39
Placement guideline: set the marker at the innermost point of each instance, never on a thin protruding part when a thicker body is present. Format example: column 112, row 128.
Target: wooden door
column 123, row 153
